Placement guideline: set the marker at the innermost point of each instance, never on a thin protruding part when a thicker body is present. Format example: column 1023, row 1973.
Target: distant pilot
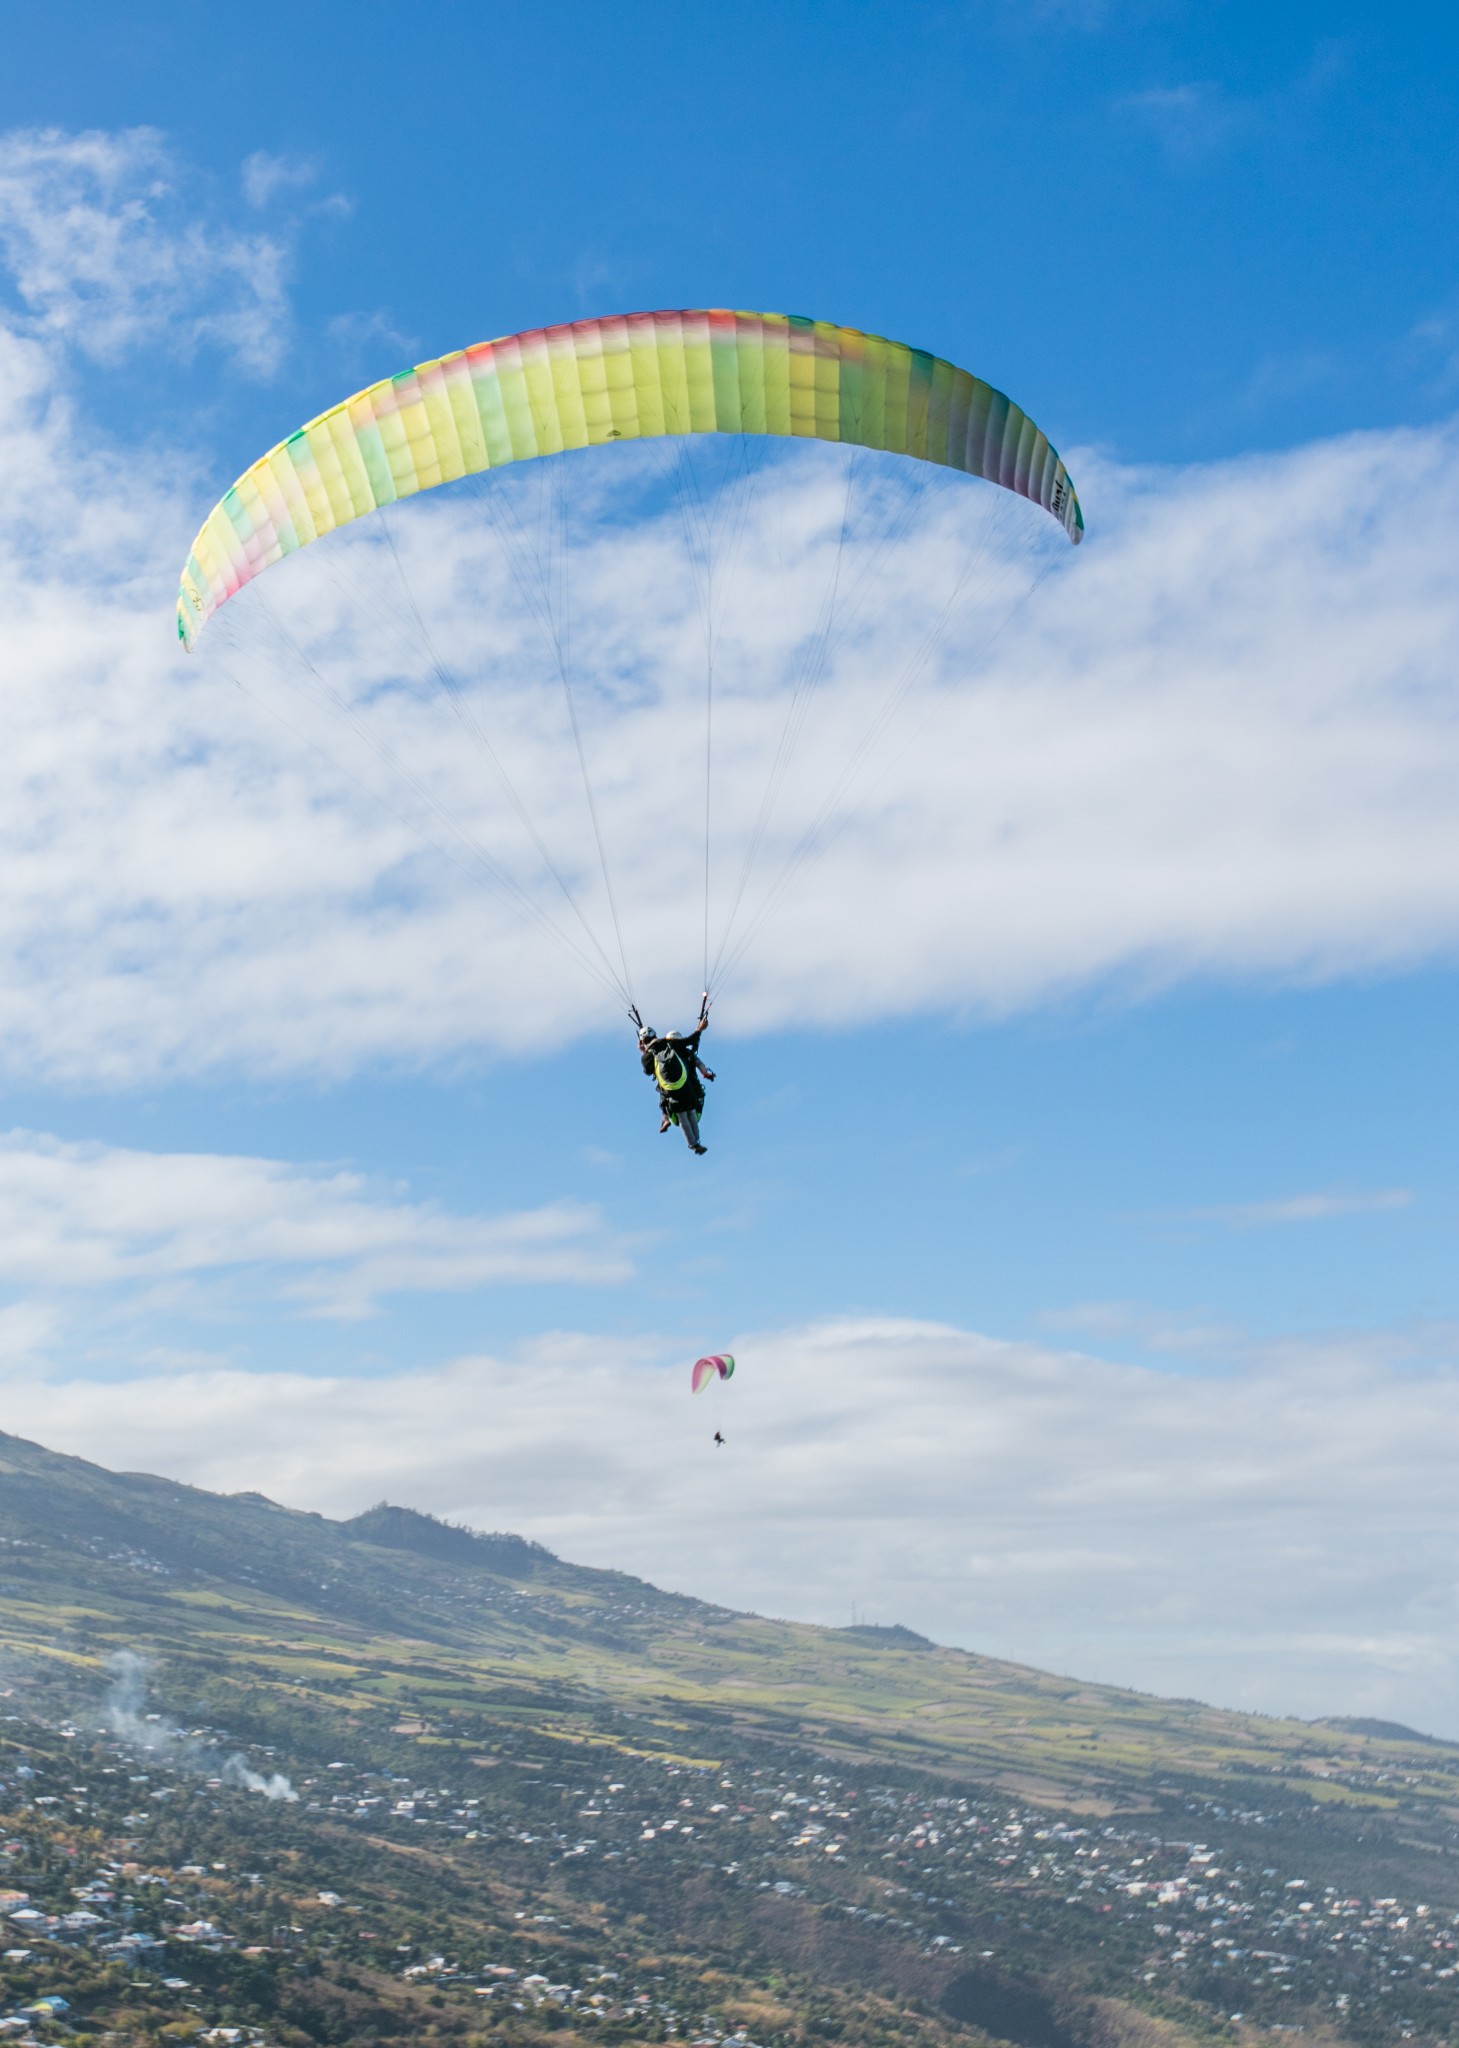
column 718, row 1438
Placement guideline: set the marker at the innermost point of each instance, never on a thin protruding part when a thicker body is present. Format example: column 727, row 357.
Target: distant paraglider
column 718, row 1367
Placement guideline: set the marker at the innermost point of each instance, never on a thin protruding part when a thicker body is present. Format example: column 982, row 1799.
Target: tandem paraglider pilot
column 673, row 1061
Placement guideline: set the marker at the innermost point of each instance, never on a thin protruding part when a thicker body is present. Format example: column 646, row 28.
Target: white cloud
column 1194, row 120
column 364, row 342
column 266, row 175
column 1219, row 741
column 1276, row 1533
column 79, row 1217
column 106, row 251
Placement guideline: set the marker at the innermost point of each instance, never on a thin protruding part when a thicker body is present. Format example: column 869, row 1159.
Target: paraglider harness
column 671, row 1071
column 671, row 1061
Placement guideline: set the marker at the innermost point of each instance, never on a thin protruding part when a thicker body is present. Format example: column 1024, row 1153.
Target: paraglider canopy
column 718, row 1367
column 629, row 378
column 732, row 677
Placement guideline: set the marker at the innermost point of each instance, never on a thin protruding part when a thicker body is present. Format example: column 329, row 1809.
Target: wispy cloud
column 1433, row 347
column 363, row 341
column 1313, row 1208
column 106, row 252
column 1195, row 120
column 88, row 1217
column 266, row 175
column 1282, row 381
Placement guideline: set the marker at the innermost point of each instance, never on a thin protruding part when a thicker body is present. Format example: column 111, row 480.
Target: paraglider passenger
column 673, row 1061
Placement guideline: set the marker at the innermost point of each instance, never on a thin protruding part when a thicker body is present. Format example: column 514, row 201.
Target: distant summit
column 1384, row 1731
column 891, row 1633
column 406, row 1529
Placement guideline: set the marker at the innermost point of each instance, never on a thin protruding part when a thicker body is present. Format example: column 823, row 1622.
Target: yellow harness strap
column 669, row 1086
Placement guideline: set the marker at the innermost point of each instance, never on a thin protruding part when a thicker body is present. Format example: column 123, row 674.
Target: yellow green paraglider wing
column 627, row 378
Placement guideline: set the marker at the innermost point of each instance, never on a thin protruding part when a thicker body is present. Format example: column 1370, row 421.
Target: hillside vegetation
column 403, row 1779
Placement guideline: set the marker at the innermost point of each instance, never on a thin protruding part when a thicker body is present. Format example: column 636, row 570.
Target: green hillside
column 512, row 1769
column 394, row 1608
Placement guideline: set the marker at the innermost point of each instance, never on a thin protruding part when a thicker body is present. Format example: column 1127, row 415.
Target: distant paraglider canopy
column 719, row 1367
column 421, row 610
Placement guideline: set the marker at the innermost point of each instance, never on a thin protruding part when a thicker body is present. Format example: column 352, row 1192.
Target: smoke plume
column 154, row 1734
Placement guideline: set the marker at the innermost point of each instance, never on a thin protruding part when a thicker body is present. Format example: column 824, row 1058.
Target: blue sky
column 1140, row 1064
column 1182, row 231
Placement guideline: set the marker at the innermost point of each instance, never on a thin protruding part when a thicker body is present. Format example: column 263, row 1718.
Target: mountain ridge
column 147, row 1562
